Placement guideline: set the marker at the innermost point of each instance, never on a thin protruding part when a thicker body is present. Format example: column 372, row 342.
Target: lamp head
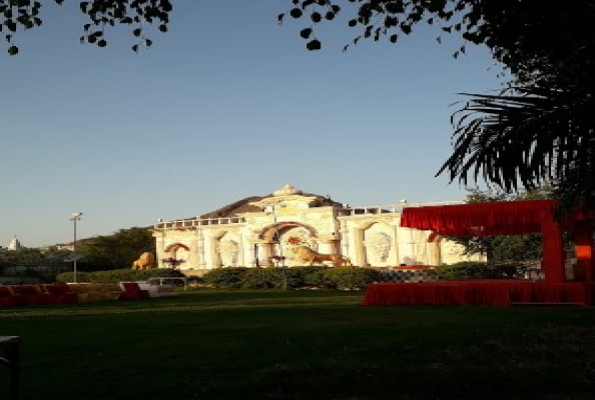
column 76, row 215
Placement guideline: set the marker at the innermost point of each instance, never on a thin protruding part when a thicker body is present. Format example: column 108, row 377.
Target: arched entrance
column 277, row 239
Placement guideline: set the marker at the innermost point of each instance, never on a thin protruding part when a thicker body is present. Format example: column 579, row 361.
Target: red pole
column 553, row 251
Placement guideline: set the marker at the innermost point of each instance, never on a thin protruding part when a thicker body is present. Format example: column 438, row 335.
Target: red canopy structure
column 512, row 218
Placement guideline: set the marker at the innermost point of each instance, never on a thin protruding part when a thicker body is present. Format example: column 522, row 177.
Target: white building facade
column 262, row 232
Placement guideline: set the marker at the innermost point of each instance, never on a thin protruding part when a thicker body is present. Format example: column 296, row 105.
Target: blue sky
column 226, row 105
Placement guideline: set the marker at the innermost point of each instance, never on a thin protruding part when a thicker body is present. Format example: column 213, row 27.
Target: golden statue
column 145, row 261
column 309, row 256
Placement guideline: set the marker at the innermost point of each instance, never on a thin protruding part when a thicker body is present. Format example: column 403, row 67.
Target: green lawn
column 300, row 345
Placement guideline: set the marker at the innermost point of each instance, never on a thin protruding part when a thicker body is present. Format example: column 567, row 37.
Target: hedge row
column 343, row 278
column 481, row 270
column 118, row 275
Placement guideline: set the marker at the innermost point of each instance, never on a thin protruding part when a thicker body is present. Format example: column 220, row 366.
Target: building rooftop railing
column 192, row 223
column 433, row 203
column 392, row 208
column 347, row 210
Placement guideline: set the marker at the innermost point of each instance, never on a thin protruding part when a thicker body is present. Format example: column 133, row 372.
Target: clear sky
column 227, row 105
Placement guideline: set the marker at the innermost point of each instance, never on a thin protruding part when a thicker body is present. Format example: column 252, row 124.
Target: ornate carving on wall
column 380, row 244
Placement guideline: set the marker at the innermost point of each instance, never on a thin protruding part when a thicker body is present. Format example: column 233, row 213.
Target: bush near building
column 342, row 278
column 481, row 270
column 119, row 275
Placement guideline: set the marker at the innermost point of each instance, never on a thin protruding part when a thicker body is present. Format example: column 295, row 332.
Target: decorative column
column 326, row 247
column 248, row 256
column 160, row 247
column 434, row 256
column 269, row 251
column 263, row 254
column 257, row 249
column 360, row 254
column 344, row 239
column 200, row 249
column 395, row 256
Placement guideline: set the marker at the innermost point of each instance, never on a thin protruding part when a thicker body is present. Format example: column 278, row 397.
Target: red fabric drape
column 492, row 293
column 480, row 219
column 512, row 218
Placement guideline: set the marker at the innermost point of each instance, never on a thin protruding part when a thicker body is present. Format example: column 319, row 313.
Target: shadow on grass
column 300, row 345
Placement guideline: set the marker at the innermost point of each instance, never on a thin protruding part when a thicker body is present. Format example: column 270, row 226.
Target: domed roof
column 287, row 190
column 244, row 206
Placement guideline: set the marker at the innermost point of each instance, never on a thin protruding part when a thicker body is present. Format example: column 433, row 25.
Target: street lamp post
column 75, row 216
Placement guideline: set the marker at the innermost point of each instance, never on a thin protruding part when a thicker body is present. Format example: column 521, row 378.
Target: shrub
column 345, row 278
column 226, row 277
column 350, row 278
column 194, row 280
column 146, row 274
column 307, row 276
column 297, row 277
column 118, row 275
column 66, row 277
column 273, row 277
column 263, row 278
column 480, row 270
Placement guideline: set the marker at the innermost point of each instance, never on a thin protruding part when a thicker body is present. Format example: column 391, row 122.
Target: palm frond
column 531, row 137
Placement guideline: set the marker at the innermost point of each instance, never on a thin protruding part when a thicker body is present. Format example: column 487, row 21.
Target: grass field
column 300, row 345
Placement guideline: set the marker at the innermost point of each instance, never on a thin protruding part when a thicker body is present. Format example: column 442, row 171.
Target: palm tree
column 529, row 136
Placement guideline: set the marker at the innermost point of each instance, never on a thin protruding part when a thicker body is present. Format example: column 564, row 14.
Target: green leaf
column 11, row 25
column 305, row 33
column 314, row 45
column 13, row 50
column 296, row 13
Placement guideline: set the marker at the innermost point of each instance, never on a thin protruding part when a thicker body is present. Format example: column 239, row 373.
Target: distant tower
column 15, row 244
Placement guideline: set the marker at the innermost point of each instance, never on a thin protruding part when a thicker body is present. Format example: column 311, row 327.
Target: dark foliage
column 479, row 270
